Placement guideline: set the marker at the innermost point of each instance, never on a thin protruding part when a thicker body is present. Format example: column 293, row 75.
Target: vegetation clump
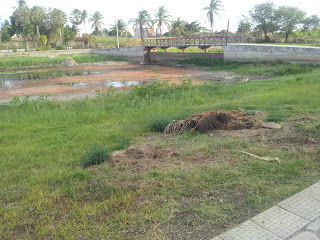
column 95, row 156
column 159, row 123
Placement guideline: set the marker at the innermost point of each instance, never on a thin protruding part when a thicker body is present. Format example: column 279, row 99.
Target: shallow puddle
column 8, row 84
column 44, row 75
column 105, row 84
column 76, row 84
column 119, row 84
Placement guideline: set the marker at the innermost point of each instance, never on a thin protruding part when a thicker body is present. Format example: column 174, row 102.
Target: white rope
column 269, row 159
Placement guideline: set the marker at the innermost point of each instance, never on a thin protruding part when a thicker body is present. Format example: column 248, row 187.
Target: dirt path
column 101, row 77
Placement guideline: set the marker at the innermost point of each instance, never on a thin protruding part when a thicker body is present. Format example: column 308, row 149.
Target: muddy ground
column 95, row 77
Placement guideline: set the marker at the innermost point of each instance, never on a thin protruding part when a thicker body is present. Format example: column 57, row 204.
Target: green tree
column 213, row 9
column 38, row 16
column 5, row 33
column 21, row 22
column 96, row 19
column 244, row 25
column 76, row 18
column 57, row 19
column 264, row 16
column 311, row 23
column 288, row 19
column 162, row 18
column 69, row 34
column 22, row 3
column 143, row 20
column 84, row 17
column 178, row 28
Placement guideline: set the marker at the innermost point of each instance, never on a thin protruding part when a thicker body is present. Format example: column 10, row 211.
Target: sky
column 186, row 9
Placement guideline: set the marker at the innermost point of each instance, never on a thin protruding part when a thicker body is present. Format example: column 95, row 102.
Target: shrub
column 61, row 47
column 43, row 48
column 123, row 142
column 43, row 40
column 95, row 155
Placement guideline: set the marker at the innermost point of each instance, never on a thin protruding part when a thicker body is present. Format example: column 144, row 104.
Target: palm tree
column 76, row 18
column 122, row 27
column 162, row 16
column 214, row 8
column 140, row 22
column 84, row 17
column 193, row 27
column 178, row 28
column 96, row 21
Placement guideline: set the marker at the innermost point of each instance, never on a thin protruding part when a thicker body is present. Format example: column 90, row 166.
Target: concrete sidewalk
column 296, row 218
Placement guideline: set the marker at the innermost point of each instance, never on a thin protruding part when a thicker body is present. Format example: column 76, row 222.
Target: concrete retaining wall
column 234, row 52
column 46, row 53
column 128, row 53
column 170, row 57
column 255, row 52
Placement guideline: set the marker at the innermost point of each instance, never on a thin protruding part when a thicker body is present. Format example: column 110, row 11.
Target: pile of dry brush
column 206, row 121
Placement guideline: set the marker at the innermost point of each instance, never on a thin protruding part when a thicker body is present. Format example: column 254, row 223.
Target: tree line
column 50, row 25
column 46, row 26
column 282, row 21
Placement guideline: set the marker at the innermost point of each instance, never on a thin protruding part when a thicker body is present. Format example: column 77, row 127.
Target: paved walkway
column 296, row 218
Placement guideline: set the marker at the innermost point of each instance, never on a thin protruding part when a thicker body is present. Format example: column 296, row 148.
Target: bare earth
column 66, row 87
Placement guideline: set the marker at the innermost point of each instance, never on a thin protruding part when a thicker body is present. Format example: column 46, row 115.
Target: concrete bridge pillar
column 183, row 49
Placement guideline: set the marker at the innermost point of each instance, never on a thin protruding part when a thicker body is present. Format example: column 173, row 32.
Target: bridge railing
column 193, row 41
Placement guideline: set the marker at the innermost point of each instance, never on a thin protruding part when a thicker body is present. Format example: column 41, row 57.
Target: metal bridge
column 185, row 42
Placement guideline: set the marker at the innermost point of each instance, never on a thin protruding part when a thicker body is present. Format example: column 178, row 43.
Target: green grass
column 45, row 193
column 266, row 69
column 16, row 62
column 111, row 42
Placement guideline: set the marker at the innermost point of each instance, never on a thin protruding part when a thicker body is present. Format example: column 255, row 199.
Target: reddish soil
column 59, row 88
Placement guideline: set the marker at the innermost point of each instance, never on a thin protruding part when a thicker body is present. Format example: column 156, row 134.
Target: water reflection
column 119, row 84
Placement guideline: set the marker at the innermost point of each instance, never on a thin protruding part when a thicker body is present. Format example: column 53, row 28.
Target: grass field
column 266, row 69
column 111, row 42
column 204, row 189
column 16, row 62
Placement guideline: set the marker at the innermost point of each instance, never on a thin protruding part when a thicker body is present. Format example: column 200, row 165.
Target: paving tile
column 313, row 191
column 305, row 236
column 280, row 221
column 249, row 231
column 315, row 226
column 302, row 206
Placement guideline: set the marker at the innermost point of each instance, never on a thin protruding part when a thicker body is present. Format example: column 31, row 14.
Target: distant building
column 148, row 32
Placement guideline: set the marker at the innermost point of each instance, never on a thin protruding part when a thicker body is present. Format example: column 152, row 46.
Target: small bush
column 122, row 142
column 95, row 155
column 159, row 123
column 43, row 48
column 61, row 47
